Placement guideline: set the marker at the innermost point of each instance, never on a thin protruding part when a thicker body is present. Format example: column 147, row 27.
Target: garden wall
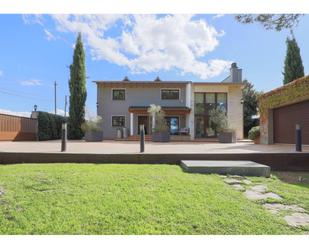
column 15, row 128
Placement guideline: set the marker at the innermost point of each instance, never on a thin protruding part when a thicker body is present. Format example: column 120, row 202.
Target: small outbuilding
column 282, row 109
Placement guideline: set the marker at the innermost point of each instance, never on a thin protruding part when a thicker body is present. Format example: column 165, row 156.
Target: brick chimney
column 236, row 73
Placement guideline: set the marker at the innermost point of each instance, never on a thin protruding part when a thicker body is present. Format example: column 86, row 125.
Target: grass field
column 133, row 199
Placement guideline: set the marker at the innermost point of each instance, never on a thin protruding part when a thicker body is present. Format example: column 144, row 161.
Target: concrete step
column 243, row 168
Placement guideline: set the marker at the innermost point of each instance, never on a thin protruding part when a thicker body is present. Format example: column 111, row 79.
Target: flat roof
column 123, row 82
column 139, row 82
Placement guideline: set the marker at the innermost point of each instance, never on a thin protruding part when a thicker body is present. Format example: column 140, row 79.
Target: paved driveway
column 116, row 147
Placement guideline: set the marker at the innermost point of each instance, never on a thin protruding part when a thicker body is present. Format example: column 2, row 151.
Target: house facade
column 186, row 105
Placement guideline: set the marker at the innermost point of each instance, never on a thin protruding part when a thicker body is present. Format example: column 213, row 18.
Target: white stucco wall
column 235, row 110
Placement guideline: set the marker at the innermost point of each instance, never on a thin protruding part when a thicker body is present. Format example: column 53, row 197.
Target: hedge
column 49, row 126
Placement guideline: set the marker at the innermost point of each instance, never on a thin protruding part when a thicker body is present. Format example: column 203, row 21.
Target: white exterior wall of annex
column 234, row 105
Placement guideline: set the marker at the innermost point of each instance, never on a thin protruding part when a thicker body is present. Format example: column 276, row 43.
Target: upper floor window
column 119, row 94
column 170, row 94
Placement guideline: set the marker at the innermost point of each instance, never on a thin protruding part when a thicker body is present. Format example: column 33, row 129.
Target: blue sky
column 36, row 51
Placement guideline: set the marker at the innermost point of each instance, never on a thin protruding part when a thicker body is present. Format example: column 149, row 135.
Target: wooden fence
column 14, row 128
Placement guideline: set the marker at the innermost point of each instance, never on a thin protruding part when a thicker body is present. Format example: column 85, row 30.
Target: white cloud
column 15, row 113
column 49, row 36
column 149, row 43
column 218, row 16
column 33, row 19
column 1, row 73
column 31, row 82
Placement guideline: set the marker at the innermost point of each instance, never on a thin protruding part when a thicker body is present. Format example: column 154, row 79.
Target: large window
column 173, row 124
column 203, row 104
column 170, row 94
column 119, row 94
column 118, row 121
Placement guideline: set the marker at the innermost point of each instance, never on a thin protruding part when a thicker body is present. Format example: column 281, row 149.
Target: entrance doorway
column 143, row 120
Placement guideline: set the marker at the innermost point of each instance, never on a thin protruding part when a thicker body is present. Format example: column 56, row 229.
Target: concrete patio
column 117, row 147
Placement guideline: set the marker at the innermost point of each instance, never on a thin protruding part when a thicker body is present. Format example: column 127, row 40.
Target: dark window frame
column 118, row 89
column 170, row 89
column 119, row 116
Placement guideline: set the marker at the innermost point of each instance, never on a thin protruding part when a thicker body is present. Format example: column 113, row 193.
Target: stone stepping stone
column 231, row 181
column 277, row 207
column 255, row 196
column 297, row 219
column 236, row 177
column 259, row 188
column 246, row 181
column 238, row 187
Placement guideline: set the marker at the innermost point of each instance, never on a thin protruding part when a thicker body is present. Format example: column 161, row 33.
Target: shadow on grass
column 297, row 178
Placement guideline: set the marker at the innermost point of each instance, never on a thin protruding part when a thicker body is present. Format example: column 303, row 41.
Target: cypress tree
column 78, row 92
column 293, row 65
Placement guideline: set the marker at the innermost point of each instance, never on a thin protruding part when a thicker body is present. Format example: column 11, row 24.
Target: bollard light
column 64, row 137
column 142, row 138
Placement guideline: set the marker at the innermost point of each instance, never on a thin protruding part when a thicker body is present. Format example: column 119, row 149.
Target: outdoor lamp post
column 298, row 138
column 64, row 136
column 142, row 138
column 35, row 107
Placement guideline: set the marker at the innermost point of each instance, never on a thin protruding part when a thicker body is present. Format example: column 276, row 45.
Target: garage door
column 285, row 119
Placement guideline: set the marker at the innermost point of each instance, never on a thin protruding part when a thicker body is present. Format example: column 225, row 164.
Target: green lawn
column 132, row 199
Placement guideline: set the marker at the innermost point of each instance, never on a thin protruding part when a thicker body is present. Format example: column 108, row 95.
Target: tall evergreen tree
column 250, row 103
column 293, row 65
column 78, row 92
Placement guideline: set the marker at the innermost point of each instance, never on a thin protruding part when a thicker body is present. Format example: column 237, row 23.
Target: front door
column 143, row 120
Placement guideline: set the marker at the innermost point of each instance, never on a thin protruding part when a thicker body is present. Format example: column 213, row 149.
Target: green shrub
column 218, row 120
column 160, row 121
column 93, row 124
column 49, row 126
column 254, row 133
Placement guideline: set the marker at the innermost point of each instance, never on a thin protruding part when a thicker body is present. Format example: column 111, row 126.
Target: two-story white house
column 185, row 103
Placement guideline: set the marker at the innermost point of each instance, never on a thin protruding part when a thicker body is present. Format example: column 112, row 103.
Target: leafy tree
column 276, row 22
column 250, row 103
column 78, row 92
column 293, row 65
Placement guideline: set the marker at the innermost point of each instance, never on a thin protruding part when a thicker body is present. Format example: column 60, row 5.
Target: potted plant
column 219, row 123
column 93, row 129
column 254, row 134
column 160, row 132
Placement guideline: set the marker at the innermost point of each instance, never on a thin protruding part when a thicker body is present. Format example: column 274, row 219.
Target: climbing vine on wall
column 296, row 91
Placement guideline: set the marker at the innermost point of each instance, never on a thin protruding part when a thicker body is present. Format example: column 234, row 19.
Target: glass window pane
column 210, row 98
column 209, row 130
column 173, row 124
column 170, row 94
column 118, row 121
column 199, row 97
column 210, row 106
column 199, row 109
column 221, row 98
column 119, row 94
column 199, row 126
column 222, row 101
